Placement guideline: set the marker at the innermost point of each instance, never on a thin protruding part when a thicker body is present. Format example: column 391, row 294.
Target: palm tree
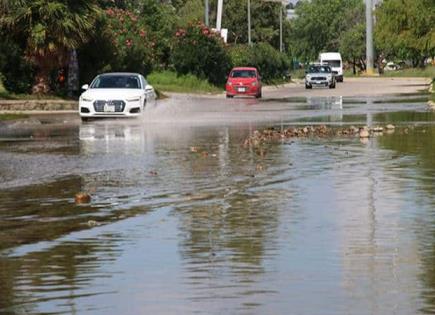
column 52, row 28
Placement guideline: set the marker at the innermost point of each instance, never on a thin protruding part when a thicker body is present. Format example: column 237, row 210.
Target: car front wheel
column 307, row 86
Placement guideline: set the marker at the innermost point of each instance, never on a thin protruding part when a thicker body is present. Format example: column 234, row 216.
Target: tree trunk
column 73, row 73
column 421, row 63
column 379, row 62
column 362, row 65
column 354, row 66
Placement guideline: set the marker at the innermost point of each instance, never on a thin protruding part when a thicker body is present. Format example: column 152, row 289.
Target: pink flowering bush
column 133, row 48
column 200, row 51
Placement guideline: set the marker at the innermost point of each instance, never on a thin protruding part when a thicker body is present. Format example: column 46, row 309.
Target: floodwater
column 185, row 219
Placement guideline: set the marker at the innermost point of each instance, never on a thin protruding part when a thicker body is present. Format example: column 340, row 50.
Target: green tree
column 160, row 20
column 320, row 24
column 122, row 43
column 270, row 62
column 405, row 29
column 199, row 51
column 264, row 22
column 132, row 36
column 51, row 28
column 191, row 10
column 353, row 46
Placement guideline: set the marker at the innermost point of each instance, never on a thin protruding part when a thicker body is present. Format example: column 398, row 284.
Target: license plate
column 109, row 108
column 242, row 89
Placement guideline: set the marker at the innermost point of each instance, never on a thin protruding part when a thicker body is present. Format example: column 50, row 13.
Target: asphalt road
column 352, row 87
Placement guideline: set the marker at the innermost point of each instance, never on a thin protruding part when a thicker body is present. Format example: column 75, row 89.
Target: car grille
column 318, row 79
column 118, row 104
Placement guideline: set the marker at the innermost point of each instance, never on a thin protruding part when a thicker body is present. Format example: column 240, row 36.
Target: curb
column 37, row 105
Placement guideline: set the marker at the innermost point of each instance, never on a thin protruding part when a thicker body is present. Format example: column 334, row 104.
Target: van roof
column 331, row 55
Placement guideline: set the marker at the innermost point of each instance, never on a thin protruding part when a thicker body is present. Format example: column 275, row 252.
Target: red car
column 243, row 81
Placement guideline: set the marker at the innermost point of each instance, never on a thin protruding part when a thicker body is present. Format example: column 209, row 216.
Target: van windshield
column 333, row 63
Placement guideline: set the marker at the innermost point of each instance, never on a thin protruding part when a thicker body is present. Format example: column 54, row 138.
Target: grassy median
column 432, row 90
column 168, row 81
column 426, row 72
column 7, row 117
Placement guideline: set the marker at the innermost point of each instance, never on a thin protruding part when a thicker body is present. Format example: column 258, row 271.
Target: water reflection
column 418, row 142
column 188, row 220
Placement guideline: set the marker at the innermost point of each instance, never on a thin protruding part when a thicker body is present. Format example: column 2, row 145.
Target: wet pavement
column 186, row 219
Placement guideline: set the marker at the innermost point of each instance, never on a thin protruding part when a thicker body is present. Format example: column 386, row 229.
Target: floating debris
column 364, row 133
column 93, row 223
column 377, row 129
column 82, row 197
column 273, row 135
column 270, row 135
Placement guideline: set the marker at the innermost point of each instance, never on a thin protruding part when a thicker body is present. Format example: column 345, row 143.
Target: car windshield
column 333, row 63
column 116, row 82
column 243, row 74
column 319, row 69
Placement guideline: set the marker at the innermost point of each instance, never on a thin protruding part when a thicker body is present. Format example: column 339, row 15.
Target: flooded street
column 185, row 219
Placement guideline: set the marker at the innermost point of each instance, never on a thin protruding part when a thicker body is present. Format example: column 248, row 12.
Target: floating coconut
column 82, row 197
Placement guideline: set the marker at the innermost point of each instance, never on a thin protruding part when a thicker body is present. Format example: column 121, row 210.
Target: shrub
column 272, row 64
column 17, row 71
column 133, row 49
column 122, row 43
column 199, row 51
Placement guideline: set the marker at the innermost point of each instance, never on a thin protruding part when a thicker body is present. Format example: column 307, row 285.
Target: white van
column 333, row 59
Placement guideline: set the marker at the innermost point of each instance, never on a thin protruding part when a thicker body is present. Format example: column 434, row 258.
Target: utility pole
column 369, row 37
column 206, row 13
column 219, row 15
column 280, row 28
column 249, row 23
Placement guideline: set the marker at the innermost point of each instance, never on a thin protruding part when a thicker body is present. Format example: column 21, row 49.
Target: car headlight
column 308, row 77
column 86, row 99
column 230, row 83
column 133, row 99
column 254, row 83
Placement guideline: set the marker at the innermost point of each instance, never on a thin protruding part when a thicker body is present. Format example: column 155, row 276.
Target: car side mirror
column 85, row 86
column 149, row 88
